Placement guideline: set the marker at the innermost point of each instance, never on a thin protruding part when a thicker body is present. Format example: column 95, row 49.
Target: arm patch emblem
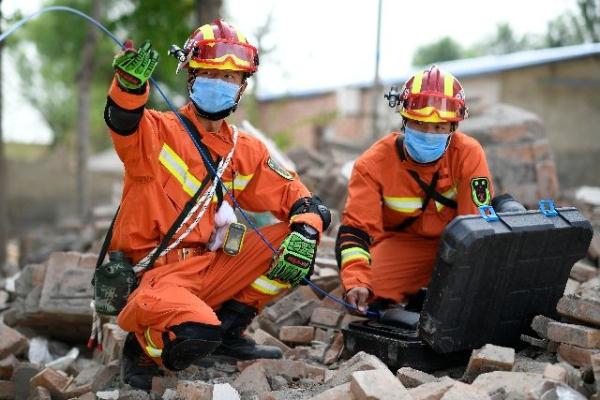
column 279, row 170
column 480, row 191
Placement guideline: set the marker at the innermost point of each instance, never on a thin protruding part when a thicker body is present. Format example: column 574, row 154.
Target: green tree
column 445, row 49
column 574, row 28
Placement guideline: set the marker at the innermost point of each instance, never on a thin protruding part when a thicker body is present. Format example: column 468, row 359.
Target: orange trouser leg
column 401, row 265
column 242, row 277
column 188, row 292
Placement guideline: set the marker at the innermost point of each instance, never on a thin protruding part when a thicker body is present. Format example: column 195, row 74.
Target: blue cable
column 20, row 23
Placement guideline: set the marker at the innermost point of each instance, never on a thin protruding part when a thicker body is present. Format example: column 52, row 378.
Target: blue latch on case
column 488, row 213
column 547, row 208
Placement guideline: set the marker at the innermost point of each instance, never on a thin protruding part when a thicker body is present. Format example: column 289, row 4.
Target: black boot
column 137, row 368
column 235, row 317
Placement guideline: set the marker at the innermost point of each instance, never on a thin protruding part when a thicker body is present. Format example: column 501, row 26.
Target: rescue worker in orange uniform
column 195, row 301
column 405, row 189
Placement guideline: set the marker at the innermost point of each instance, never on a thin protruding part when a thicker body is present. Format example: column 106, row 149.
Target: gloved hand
column 134, row 67
column 296, row 257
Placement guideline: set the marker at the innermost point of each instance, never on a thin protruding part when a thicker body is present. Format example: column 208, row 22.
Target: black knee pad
column 193, row 340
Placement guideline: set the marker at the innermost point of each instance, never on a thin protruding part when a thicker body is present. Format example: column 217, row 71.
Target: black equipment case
column 493, row 274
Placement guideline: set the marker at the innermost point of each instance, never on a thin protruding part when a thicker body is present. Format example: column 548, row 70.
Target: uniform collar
column 220, row 141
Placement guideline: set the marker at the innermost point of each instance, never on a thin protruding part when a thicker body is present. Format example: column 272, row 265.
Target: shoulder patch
column 279, row 170
column 480, row 191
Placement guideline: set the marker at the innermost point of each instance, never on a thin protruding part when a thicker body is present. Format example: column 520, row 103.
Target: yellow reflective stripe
column 448, row 85
column 430, row 110
column 355, row 253
column 404, row 204
column 449, row 194
column 207, row 32
column 417, row 81
column 178, row 168
column 240, row 183
column 268, row 286
column 151, row 348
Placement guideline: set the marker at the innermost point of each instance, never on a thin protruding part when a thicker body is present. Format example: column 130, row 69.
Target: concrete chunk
column 540, row 325
column 252, row 379
column 582, row 271
column 377, row 384
column 264, row 338
column 461, row 391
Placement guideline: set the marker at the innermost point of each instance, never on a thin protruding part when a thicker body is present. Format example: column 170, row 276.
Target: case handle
column 547, row 208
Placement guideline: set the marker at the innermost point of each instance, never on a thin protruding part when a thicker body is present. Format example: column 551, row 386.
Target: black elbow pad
column 121, row 121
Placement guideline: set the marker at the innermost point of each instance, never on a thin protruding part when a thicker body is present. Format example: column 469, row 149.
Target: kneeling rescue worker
column 197, row 299
column 405, row 189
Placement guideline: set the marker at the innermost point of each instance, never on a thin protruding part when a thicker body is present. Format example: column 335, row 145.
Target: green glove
column 295, row 259
column 134, row 67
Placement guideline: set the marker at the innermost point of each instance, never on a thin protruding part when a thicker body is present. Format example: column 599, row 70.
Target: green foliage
column 445, row 49
column 48, row 51
column 574, row 28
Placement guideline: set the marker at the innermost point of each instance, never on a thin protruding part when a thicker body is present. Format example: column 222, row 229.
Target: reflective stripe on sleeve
column 403, row 204
column 268, row 286
column 355, row 253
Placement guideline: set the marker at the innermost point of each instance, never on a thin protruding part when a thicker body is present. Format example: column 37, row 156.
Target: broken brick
column 11, row 341
column 377, row 384
column 578, row 335
column 571, row 287
column 576, row 356
column 361, row 361
column 113, row 338
column 583, row 271
column 297, row 334
column 412, row 378
column 252, row 379
column 540, row 325
column 326, row 317
column 489, row 358
column 432, row 390
column 334, row 351
column 55, row 381
column 581, row 309
column 264, row 338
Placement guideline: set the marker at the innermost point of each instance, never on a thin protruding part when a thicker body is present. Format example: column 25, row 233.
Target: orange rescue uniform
column 382, row 194
column 163, row 170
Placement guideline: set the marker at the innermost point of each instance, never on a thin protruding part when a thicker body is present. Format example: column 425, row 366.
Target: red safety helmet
column 433, row 96
column 219, row 46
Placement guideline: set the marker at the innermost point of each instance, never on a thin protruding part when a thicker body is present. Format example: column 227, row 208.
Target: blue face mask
column 214, row 95
column 424, row 147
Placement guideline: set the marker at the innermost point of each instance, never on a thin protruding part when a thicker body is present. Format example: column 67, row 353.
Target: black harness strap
column 428, row 189
column 213, row 163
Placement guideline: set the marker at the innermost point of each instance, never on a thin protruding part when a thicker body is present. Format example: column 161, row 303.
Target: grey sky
column 331, row 42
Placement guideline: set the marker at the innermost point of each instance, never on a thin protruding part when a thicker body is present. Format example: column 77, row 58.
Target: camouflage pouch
column 113, row 283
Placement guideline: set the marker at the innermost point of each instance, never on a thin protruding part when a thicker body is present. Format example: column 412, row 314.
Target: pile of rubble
column 46, row 317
